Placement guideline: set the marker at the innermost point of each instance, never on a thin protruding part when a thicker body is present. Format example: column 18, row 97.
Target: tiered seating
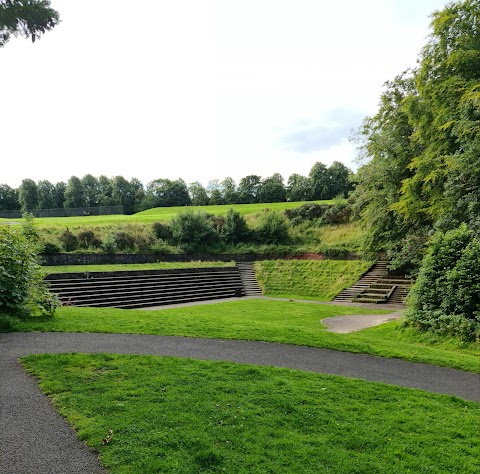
column 139, row 289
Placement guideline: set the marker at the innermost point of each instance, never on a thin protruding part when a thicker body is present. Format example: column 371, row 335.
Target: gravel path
column 34, row 439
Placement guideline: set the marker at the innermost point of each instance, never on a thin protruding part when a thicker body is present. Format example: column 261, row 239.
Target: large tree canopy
column 29, row 18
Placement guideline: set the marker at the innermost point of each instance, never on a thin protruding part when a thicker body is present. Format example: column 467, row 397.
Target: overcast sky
column 200, row 89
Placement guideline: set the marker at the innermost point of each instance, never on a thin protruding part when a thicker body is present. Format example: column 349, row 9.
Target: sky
column 200, row 89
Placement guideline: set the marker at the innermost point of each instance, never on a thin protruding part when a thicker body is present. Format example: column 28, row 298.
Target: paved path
column 34, row 439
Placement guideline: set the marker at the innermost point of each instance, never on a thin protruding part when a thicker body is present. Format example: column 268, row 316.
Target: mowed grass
column 262, row 320
column 321, row 280
column 134, row 266
column 160, row 214
column 160, row 414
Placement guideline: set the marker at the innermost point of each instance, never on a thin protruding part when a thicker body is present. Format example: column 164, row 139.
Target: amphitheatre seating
column 144, row 288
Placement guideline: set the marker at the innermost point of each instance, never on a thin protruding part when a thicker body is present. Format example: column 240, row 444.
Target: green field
column 168, row 415
column 160, row 214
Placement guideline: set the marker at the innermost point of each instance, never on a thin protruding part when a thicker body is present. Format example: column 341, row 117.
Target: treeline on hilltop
column 322, row 183
column 419, row 194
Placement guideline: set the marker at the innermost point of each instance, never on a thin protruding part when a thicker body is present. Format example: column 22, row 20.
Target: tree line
column 418, row 195
column 322, row 182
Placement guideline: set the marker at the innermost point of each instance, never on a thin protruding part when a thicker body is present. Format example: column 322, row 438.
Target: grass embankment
column 161, row 214
column 262, row 320
column 308, row 279
column 134, row 266
column 174, row 415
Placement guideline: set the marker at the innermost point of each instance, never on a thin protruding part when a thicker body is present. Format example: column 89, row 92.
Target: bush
column 109, row 246
column 162, row 231
column 272, row 228
column 50, row 248
column 68, row 240
column 124, row 240
column 23, row 291
column 88, row 239
column 193, row 231
column 446, row 296
column 235, row 228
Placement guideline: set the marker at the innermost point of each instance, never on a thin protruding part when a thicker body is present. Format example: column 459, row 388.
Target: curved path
column 35, row 439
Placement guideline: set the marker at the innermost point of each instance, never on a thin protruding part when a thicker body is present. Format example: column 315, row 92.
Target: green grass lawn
column 263, row 320
column 321, row 280
column 161, row 214
column 134, row 266
column 168, row 415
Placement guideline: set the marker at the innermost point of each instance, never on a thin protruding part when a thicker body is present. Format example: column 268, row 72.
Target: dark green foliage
column 88, row 239
column 272, row 189
column 321, row 213
column 22, row 289
column 50, row 248
column 446, row 295
column 193, row 230
column 272, row 228
column 235, row 228
column 162, row 231
column 124, row 240
column 74, row 193
column 309, row 211
column 29, row 18
column 8, row 198
column 248, row 189
column 166, row 193
column 68, row 240
column 27, row 195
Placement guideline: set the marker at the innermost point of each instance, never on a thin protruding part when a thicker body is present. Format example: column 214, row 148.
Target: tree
column 27, row 195
column 229, row 191
column 339, row 178
column 8, row 198
column 74, row 193
column 104, row 191
column 319, row 181
column 248, row 189
column 29, row 18
column 122, row 194
column 138, row 193
column 298, row 188
column 46, row 195
column 90, row 190
column 198, row 194
column 272, row 189
column 167, row 193
column 214, row 192
column 59, row 194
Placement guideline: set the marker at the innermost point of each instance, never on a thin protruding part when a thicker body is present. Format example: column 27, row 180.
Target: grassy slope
column 261, row 320
column 159, row 214
column 134, row 266
column 174, row 415
column 317, row 279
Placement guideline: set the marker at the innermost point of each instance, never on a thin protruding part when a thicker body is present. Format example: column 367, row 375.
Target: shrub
column 306, row 212
column 87, row 239
column 446, row 296
column 108, row 245
column 162, row 231
column 23, row 291
column 235, row 228
column 124, row 240
column 272, row 228
column 50, row 248
column 192, row 230
column 68, row 240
